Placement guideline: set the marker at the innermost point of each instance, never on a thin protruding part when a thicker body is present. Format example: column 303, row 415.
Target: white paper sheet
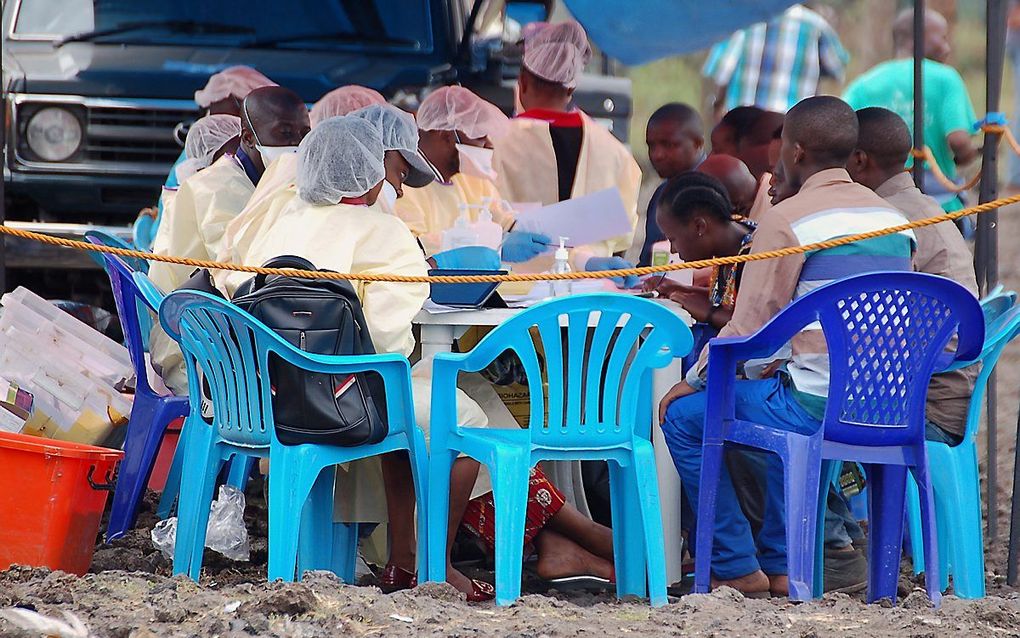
column 582, row 220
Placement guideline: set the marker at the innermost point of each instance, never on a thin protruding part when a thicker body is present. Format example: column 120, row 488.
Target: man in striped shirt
column 819, row 135
column 775, row 64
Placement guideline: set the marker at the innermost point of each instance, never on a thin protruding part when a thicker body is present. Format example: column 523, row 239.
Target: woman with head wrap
column 555, row 152
column 334, row 223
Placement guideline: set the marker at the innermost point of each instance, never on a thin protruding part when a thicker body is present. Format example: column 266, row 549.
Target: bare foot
column 779, row 584
column 753, row 583
column 560, row 557
column 458, row 580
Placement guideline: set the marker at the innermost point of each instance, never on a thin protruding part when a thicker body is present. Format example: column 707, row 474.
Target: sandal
column 481, row 592
column 395, row 579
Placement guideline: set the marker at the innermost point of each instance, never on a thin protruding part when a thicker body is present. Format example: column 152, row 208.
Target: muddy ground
column 130, row 594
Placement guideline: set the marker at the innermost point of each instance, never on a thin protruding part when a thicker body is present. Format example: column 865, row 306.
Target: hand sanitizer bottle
column 563, row 287
column 461, row 234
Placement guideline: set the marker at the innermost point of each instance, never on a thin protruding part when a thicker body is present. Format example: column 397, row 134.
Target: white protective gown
column 525, row 162
column 192, row 226
column 357, row 239
column 240, row 231
column 432, row 209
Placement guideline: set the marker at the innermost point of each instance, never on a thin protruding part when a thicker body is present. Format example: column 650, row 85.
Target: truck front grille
column 134, row 136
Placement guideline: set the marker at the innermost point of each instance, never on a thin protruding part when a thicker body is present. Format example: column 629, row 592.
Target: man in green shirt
column 948, row 112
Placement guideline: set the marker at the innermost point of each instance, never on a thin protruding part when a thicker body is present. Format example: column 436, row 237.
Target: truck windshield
column 298, row 24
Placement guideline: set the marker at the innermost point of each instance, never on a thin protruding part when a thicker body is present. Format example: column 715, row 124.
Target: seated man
column 882, row 148
column 819, row 136
column 274, row 120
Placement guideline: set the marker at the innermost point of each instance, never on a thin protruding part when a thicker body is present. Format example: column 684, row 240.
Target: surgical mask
column 272, row 153
column 388, row 197
column 476, row 161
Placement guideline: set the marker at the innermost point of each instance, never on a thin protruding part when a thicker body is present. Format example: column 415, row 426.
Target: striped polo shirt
column 829, row 205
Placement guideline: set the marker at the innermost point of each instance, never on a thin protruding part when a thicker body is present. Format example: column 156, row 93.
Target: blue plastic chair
column 599, row 408
column 104, row 238
column 233, row 349
column 239, row 470
column 886, row 334
column 957, row 484
column 151, row 413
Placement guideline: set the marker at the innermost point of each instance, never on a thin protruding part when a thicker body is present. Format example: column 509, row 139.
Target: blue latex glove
column 614, row 263
column 520, row 246
column 468, row 258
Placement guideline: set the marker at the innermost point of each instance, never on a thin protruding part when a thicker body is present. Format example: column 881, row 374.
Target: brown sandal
column 394, row 579
column 481, row 592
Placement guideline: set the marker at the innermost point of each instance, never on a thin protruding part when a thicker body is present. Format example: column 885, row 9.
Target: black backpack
column 321, row 316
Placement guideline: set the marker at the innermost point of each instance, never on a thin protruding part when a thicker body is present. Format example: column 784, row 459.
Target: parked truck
column 98, row 94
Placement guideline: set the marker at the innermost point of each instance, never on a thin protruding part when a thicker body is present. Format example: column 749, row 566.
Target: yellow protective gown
column 353, row 238
column 526, row 165
column 192, row 226
column 240, row 231
column 432, row 209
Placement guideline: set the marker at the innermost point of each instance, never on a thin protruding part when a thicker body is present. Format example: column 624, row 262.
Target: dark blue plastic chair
column 233, row 349
column 151, row 413
column 886, row 335
column 599, row 408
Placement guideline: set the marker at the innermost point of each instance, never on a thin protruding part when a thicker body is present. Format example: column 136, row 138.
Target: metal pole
column 988, row 271
column 3, row 184
column 1014, row 520
column 919, row 90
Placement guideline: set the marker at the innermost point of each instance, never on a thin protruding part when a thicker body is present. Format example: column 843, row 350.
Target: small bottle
column 490, row 234
column 562, row 288
column 461, row 234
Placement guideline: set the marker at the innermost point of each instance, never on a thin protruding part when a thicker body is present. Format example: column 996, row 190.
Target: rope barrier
column 951, row 186
column 461, row 279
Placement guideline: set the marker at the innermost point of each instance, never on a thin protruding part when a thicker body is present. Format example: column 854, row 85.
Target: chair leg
column 510, row 495
column 240, row 471
column 830, row 471
column 420, row 471
column 708, row 486
column 629, row 550
column 440, row 466
column 887, row 485
column 914, row 526
column 286, row 501
column 958, row 504
column 802, row 475
column 198, row 481
column 651, row 518
column 315, row 539
column 345, row 551
column 144, row 435
column 173, row 480
column 929, row 533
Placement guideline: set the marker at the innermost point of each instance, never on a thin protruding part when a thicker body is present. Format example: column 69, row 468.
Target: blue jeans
column 735, row 552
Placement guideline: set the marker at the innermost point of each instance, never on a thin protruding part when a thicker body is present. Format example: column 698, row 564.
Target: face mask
column 271, row 153
column 476, row 161
column 388, row 197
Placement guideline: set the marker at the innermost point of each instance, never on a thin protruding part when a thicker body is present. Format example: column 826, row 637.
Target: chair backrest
column 598, row 351
column 998, row 334
column 886, row 334
column 106, row 239
column 232, row 349
column 994, row 306
column 133, row 311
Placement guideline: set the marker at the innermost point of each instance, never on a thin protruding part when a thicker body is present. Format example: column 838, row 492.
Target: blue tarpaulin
column 639, row 31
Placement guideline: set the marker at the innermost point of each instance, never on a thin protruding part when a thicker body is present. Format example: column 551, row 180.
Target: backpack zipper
column 301, row 340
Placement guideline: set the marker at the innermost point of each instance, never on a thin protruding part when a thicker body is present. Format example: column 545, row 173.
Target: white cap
column 557, row 52
column 454, row 108
column 206, row 136
column 341, row 157
column 343, row 101
column 561, row 253
column 236, row 81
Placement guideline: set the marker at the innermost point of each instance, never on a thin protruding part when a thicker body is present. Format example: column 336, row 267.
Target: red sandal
column 395, row 579
column 481, row 592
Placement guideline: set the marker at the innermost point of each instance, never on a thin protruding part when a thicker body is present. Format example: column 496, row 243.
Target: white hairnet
column 236, row 81
column 343, row 101
column 557, row 52
column 341, row 157
column 206, row 136
column 454, row 108
column 400, row 133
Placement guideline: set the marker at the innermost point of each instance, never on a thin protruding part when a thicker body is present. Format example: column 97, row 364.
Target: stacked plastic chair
column 151, row 413
column 233, row 349
column 599, row 408
column 886, row 335
column 957, row 483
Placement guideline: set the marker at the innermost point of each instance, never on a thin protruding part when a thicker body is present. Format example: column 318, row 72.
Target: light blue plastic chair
column 886, row 333
column 233, row 349
column 957, row 484
column 106, row 239
column 240, row 468
column 599, row 408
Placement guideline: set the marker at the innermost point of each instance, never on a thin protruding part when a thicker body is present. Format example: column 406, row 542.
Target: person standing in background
column 775, row 64
column 1013, row 51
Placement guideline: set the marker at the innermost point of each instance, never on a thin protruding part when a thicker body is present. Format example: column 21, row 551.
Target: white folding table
column 439, row 330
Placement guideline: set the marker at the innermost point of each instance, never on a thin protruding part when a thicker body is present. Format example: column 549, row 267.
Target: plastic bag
column 225, row 533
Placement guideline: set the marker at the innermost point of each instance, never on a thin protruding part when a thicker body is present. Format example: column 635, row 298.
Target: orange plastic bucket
column 52, row 496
